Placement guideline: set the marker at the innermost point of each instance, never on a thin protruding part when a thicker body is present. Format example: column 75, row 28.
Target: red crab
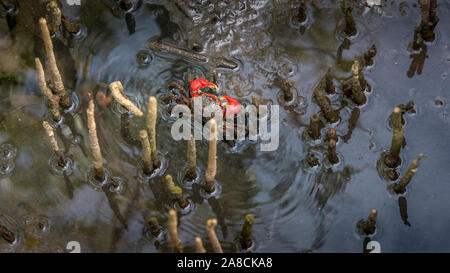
column 229, row 105
column 199, row 88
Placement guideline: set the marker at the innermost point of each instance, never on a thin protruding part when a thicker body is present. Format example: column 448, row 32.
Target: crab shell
column 230, row 106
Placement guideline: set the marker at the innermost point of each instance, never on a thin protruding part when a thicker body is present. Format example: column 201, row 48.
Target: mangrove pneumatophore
column 210, row 230
column 153, row 226
column 152, row 115
column 246, row 233
column 210, row 173
column 314, row 127
column 328, row 79
column 176, row 191
column 52, row 99
column 392, row 159
column 199, row 248
column 54, row 143
column 147, row 165
column 368, row 226
column 324, row 104
column 119, row 95
column 172, row 224
column 331, row 154
column 64, row 99
column 357, row 95
column 97, row 159
column 191, row 173
column 400, row 187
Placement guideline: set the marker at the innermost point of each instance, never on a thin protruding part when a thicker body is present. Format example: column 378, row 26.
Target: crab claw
column 230, row 106
column 199, row 83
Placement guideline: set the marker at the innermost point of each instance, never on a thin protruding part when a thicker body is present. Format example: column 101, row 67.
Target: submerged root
column 352, row 123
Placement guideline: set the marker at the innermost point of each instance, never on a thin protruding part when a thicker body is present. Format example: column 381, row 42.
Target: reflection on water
column 280, row 59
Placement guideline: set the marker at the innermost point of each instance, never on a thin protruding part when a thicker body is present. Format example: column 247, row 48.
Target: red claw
column 199, row 83
column 230, row 106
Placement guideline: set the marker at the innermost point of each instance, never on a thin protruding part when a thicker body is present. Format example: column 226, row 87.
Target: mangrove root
column 153, row 226
column 119, row 95
column 152, row 115
column 210, row 225
column 176, row 191
column 147, row 165
column 332, row 155
column 199, row 248
column 210, row 173
column 315, row 125
column 54, row 143
column 191, row 173
column 328, row 79
column 246, row 233
column 392, row 159
column 53, row 99
column 125, row 129
column 95, row 147
column 324, row 104
column 60, row 90
column 400, row 187
column 368, row 226
column 357, row 96
column 172, row 225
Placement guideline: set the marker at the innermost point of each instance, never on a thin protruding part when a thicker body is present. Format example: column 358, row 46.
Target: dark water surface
column 296, row 209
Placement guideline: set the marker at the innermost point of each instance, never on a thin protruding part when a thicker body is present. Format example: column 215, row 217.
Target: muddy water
column 297, row 209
